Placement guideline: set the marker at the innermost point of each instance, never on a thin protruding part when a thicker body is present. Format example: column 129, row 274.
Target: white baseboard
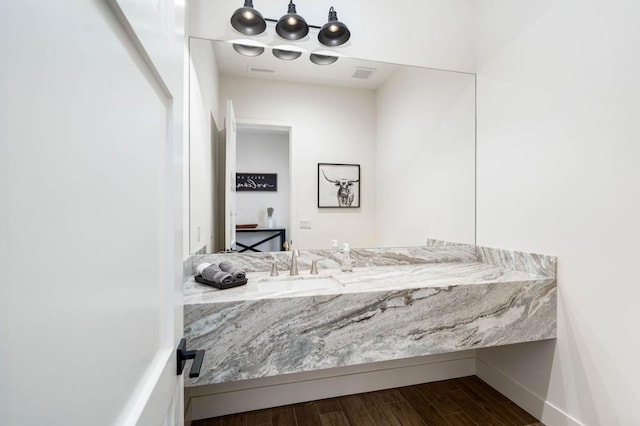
column 535, row 405
column 217, row 400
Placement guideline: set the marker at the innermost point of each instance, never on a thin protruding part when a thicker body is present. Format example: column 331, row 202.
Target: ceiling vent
column 363, row 73
column 261, row 70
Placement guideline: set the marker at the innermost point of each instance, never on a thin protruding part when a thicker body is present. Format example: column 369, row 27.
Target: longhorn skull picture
column 338, row 185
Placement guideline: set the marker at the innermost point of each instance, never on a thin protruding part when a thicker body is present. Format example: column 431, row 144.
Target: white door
column 230, row 178
column 90, row 214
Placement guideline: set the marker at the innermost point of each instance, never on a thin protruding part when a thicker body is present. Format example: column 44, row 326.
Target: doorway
column 263, row 187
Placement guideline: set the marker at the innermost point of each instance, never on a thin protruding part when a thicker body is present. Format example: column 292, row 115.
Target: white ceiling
column 300, row 70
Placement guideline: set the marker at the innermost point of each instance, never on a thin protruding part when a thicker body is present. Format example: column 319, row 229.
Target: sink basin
column 300, row 284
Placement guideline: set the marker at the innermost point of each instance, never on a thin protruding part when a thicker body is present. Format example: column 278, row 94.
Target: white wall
column 330, row 125
column 425, row 158
column 204, row 117
column 558, row 151
column 259, row 151
column 431, row 33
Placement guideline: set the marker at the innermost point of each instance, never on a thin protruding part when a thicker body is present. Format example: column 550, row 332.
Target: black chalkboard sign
column 263, row 182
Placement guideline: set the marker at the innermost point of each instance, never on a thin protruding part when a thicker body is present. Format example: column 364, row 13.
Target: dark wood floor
column 456, row 402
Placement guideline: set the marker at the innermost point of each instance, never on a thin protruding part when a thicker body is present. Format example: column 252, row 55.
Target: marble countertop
column 363, row 279
column 397, row 303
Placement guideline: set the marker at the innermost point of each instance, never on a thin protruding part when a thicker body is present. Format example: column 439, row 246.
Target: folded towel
column 237, row 273
column 214, row 274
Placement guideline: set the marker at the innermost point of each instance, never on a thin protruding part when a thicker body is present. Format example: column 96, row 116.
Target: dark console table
column 275, row 233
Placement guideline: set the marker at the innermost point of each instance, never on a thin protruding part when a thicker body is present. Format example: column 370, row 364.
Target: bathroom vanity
column 404, row 315
column 397, row 303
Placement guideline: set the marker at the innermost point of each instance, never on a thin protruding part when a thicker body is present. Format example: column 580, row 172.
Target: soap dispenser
column 347, row 264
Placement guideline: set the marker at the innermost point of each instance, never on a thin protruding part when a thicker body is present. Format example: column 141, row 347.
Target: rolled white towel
column 201, row 267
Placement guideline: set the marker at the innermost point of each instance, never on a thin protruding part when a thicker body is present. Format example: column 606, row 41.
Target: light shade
column 247, row 20
column 245, row 50
column 334, row 33
column 286, row 55
column 292, row 26
column 322, row 59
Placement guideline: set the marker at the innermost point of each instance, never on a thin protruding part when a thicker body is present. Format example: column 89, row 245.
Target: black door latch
column 182, row 355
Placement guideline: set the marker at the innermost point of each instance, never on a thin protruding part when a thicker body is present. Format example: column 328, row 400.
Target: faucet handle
column 294, row 263
column 314, row 267
column 274, row 269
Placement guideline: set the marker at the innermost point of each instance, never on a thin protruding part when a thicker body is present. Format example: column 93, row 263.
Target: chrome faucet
column 274, row 268
column 294, row 263
column 314, row 267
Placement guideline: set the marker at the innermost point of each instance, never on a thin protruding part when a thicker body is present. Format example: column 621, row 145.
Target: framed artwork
column 263, row 182
column 338, row 185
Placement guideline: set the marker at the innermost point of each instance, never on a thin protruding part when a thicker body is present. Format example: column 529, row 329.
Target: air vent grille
column 363, row 73
column 261, row 70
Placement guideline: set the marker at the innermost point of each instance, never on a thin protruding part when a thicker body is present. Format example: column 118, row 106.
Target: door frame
column 289, row 127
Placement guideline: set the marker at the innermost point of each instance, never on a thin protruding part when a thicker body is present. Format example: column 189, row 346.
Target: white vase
column 269, row 222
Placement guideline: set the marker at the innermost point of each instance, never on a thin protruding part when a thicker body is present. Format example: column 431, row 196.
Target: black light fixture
column 246, row 50
column 247, row 20
column 322, row 59
column 334, row 33
column 286, row 55
column 292, row 26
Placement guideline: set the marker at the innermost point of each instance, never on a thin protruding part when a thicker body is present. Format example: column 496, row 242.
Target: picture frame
column 338, row 185
column 257, row 182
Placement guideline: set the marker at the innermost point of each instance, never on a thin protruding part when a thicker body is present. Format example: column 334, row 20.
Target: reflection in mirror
column 410, row 130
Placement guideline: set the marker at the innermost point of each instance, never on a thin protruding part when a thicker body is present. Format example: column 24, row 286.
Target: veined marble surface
column 375, row 313
column 362, row 279
column 330, row 259
column 538, row 264
column 259, row 338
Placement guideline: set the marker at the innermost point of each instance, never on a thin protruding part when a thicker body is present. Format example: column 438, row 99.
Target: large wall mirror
column 369, row 153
